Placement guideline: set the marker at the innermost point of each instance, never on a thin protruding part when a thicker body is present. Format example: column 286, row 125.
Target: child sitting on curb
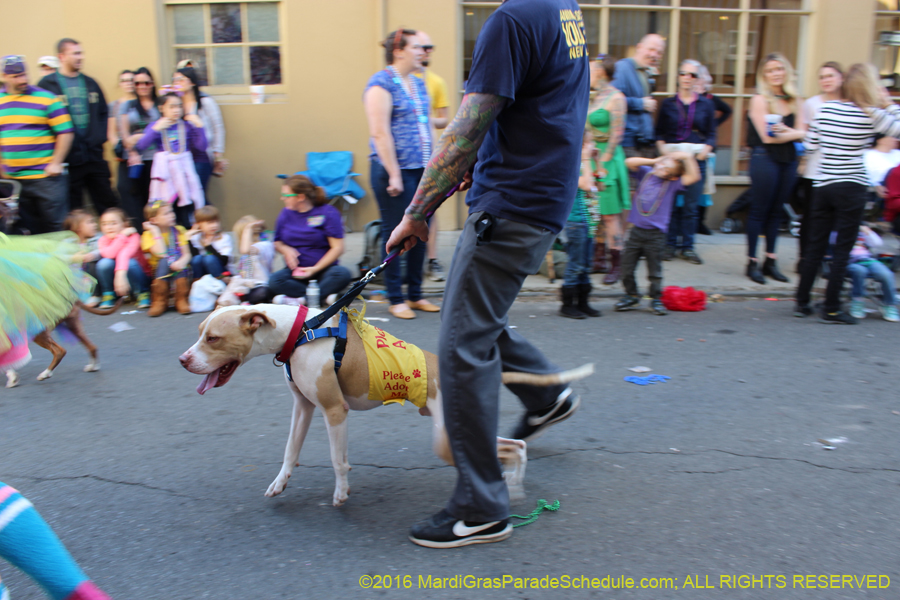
column 84, row 225
column 660, row 180
column 864, row 264
column 123, row 269
column 169, row 258
column 211, row 248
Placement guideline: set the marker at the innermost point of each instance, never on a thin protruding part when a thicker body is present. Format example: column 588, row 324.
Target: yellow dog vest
column 396, row 369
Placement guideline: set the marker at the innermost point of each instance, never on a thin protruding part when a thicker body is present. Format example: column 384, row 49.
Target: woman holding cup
column 775, row 124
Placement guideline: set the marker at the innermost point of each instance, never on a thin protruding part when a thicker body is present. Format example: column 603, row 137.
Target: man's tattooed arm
column 455, row 152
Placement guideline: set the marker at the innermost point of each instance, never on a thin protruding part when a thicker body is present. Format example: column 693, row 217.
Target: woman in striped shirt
column 840, row 133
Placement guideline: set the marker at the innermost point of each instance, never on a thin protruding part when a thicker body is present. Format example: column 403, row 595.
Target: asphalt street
column 718, row 472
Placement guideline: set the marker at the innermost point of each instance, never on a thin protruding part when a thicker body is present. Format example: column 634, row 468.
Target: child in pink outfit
column 122, row 268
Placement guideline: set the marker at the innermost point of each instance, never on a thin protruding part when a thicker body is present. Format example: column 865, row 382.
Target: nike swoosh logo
column 460, row 529
column 535, row 421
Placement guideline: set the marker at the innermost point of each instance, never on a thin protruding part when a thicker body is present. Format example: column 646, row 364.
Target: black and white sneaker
column 435, row 270
column 535, row 423
column 839, row 318
column 443, row 530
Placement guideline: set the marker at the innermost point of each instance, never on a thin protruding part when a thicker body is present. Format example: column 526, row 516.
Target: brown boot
column 600, row 263
column 159, row 297
column 182, row 291
column 615, row 263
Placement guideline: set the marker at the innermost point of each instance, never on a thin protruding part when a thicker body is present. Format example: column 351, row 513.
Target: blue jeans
column 877, row 271
column 204, row 171
column 684, row 218
column 771, row 184
column 331, row 281
column 392, row 209
column 579, row 248
column 206, row 264
column 137, row 279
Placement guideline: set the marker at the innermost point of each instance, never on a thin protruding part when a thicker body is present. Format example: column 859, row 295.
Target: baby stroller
column 332, row 172
column 736, row 215
column 9, row 203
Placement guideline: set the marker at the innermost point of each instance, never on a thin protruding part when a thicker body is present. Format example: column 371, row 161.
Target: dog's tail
column 102, row 311
column 550, row 378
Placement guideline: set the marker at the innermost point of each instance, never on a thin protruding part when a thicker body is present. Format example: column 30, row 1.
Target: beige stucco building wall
column 330, row 49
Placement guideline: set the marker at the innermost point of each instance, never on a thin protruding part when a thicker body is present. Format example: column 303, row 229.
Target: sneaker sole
column 627, row 308
column 439, row 278
column 466, row 541
column 575, row 404
column 827, row 322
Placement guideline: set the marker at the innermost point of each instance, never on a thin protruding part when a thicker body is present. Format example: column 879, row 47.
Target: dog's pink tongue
column 208, row 383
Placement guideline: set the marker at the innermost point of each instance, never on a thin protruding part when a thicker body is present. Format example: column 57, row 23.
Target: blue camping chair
column 332, row 172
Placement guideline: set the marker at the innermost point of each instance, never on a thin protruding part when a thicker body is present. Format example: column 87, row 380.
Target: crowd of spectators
column 169, row 139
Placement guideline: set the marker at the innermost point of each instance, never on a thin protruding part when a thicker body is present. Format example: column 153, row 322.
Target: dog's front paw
column 278, row 485
column 341, row 495
column 47, row 374
column 92, row 367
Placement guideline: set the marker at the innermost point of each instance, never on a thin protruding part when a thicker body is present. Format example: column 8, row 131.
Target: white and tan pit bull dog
column 233, row 335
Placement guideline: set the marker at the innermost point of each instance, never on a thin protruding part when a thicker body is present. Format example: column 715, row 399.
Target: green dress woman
column 606, row 121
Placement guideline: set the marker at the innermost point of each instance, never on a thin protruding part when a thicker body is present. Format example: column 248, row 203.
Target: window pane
column 473, row 22
column 188, row 23
column 885, row 57
column 887, row 5
column 641, row 2
column 226, row 23
column 262, row 22
column 592, row 31
column 228, row 66
column 627, row 27
column 777, row 4
column 768, row 33
column 198, row 57
column 265, row 65
column 704, row 37
column 712, row 3
column 723, row 141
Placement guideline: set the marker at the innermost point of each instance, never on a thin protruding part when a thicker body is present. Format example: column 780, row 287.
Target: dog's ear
column 252, row 320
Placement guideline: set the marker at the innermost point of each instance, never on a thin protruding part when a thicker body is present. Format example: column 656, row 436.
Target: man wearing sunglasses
column 440, row 113
column 35, row 136
column 90, row 115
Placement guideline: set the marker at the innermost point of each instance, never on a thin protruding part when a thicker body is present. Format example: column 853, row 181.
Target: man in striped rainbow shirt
column 35, row 136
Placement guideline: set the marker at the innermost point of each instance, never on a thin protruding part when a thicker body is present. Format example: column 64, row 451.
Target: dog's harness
column 300, row 334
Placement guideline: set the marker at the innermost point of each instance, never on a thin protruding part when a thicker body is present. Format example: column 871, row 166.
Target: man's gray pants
column 476, row 346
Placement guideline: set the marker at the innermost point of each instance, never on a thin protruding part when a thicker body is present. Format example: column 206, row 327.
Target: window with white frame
column 729, row 37
column 229, row 43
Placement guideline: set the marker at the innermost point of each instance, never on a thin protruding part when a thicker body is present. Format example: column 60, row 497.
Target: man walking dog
column 523, row 115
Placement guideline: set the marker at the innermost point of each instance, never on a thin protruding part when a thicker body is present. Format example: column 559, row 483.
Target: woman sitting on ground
column 310, row 236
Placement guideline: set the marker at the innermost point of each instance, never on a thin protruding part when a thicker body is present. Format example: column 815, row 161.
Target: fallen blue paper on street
column 647, row 380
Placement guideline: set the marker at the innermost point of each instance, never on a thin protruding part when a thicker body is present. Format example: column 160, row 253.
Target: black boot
column 702, row 229
column 584, row 293
column 615, row 264
column 568, row 299
column 770, row 269
column 753, row 272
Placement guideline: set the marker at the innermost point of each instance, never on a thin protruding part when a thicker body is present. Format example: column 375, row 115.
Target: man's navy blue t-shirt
column 533, row 53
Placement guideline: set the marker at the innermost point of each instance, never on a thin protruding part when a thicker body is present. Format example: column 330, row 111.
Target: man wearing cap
column 35, row 136
column 48, row 65
column 89, row 111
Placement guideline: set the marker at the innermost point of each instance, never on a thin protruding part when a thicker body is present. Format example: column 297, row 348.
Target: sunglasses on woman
column 143, row 83
column 693, row 75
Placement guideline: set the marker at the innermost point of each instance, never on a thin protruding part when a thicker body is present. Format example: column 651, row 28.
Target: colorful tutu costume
column 38, row 286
